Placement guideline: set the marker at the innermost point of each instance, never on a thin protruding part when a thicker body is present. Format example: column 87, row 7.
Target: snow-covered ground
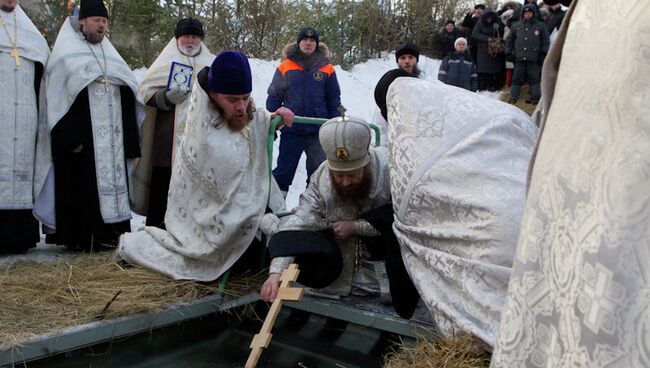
column 357, row 95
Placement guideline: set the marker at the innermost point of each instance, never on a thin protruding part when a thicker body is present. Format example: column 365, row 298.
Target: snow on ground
column 357, row 95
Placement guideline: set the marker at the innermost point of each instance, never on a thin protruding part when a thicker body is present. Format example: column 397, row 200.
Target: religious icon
column 180, row 76
column 342, row 153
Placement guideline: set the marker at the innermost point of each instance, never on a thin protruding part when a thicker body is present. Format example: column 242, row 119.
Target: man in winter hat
column 305, row 83
column 446, row 37
column 220, row 186
column 407, row 56
column 526, row 46
column 91, row 120
column 166, row 95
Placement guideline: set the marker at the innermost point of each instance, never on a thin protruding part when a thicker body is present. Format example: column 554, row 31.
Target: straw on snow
column 463, row 351
column 43, row 298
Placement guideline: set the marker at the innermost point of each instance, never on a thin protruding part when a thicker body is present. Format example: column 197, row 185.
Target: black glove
column 510, row 58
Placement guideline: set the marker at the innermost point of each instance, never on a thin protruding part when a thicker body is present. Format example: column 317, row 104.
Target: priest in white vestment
column 91, row 115
column 458, row 175
column 579, row 295
column 341, row 233
column 23, row 55
column 221, row 185
column 166, row 95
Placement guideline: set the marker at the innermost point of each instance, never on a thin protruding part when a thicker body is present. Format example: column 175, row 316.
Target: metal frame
column 379, row 321
column 308, row 121
column 97, row 332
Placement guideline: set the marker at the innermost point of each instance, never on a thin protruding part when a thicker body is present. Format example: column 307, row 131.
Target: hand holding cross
column 262, row 339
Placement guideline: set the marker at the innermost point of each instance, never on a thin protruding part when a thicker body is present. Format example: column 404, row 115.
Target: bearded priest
column 221, row 185
column 91, row 115
column 165, row 88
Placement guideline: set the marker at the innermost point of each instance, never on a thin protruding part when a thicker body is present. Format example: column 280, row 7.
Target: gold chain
column 246, row 134
column 105, row 67
column 14, row 42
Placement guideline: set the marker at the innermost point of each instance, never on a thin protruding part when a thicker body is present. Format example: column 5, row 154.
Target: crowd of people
column 433, row 217
column 506, row 47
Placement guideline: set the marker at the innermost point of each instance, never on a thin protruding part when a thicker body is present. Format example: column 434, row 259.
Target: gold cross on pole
column 262, row 339
column 16, row 56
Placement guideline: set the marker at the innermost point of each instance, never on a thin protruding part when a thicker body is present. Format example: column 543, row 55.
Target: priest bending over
column 341, row 234
column 219, row 190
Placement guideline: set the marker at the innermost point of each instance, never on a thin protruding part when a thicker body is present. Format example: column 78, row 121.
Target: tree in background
column 355, row 30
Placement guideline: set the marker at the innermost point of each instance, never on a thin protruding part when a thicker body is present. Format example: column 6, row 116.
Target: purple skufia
column 230, row 74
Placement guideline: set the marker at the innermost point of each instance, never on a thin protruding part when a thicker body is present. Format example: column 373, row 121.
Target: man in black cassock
column 91, row 95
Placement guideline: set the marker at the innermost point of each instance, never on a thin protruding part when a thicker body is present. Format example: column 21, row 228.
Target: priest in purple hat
column 221, row 186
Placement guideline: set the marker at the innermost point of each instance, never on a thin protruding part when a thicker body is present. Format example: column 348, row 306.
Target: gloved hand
column 269, row 224
column 510, row 58
column 176, row 95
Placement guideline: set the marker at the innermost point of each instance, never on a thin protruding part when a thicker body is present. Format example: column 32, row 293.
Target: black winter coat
column 445, row 41
column 554, row 20
column 528, row 40
column 483, row 31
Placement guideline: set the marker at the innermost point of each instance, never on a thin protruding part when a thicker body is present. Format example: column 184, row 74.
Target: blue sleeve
column 444, row 69
column 276, row 92
column 333, row 96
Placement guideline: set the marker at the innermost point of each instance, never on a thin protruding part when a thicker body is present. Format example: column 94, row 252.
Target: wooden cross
column 16, row 56
column 262, row 339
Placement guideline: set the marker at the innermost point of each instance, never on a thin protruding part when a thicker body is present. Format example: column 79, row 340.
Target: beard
column 6, row 8
column 189, row 50
column 93, row 37
column 358, row 192
column 235, row 125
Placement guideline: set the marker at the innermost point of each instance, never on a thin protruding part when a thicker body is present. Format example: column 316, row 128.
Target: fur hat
column 507, row 15
column 230, row 74
column 307, row 32
column 92, row 8
column 479, row 6
column 189, row 27
column 450, row 21
column 408, row 48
